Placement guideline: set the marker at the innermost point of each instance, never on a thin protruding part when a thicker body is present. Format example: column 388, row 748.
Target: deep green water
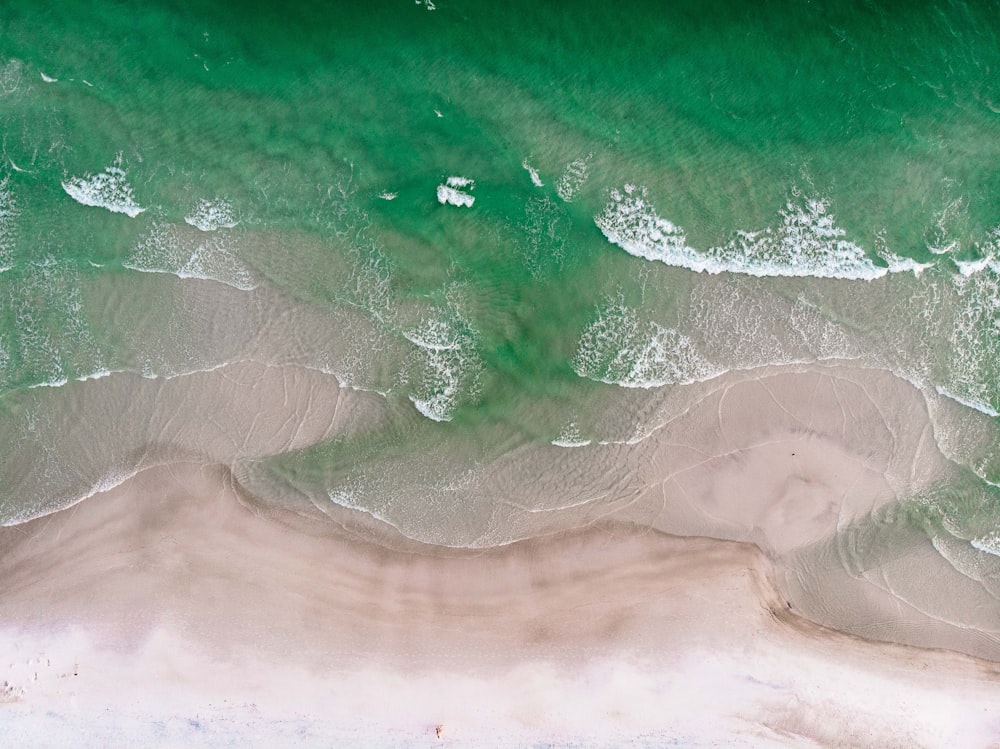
column 820, row 181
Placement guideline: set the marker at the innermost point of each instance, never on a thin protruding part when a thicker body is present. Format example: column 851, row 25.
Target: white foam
column 48, row 79
column 573, row 177
column 806, row 242
column 461, row 182
column 347, row 498
column 165, row 250
column 210, row 215
column 899, row 264
column 8, row 215
column 10, row 77
column 533, row 173
column 619, row 349
column 111, row 480
column 388, row 195
column 570, row 436
column 971, row 267
column 974, row 339
column 448, row 195
column 989, row 544
column 449, row 364
column 95, row 375
column 435, row 335
column 968, row 402
column 108, row 189
column 940, row 241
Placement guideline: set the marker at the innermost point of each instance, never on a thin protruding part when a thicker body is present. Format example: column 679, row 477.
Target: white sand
column 167, row 613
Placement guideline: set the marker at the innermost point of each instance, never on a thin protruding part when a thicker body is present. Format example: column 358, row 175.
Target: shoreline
column 180, row 609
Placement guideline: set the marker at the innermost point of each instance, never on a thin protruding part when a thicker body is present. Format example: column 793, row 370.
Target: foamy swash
column 617, row 348
column 168, row 249
column 448, row 364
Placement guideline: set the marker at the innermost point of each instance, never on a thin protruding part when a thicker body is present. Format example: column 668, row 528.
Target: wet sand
column 171, row 610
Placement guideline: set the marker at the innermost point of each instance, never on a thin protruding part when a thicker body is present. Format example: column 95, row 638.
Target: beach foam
column 108, row 189
column 569, row 436
column 899, row 264
column 52, row 341
column 940, row 238
column 974, row 364
column 167, row 249
column 620, row 349
column 805, row 242
column 210, row 215
column 449, row 365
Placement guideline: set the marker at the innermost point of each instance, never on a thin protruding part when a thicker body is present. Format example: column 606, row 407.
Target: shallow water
column 511, row 232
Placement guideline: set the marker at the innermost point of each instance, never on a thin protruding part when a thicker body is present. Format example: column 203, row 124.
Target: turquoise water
column 507, row 228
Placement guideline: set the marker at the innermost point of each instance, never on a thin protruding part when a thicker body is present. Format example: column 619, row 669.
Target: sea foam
column 974, row 339
column 452, row 192
column 108, row 189
column 569, row 436
column 988, row 544
column 620, row 349
column 572, row 178
column 210, row 215
column 449, row 364
column 533, row 173
column 211, row 258
column 805, row 242
column 899, row 264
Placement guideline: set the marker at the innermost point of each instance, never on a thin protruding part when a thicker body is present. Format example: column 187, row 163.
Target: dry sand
column 166, row 612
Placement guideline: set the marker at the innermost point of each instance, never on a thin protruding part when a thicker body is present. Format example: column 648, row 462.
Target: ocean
column 512, row 233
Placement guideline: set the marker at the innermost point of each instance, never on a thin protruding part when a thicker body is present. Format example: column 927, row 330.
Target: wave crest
column 108, row 189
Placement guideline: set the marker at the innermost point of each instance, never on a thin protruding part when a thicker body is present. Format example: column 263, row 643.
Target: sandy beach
column 168, row 611
column 499, row 375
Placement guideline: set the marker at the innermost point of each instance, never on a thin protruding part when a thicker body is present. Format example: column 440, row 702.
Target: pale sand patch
column 165, row 612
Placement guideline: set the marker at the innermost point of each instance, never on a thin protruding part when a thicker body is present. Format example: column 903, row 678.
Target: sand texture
column 167, row 611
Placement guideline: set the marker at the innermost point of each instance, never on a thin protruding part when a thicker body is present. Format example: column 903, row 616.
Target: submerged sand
column 177, row 608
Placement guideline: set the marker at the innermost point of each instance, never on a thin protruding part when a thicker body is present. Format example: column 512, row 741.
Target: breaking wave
column 805, row 242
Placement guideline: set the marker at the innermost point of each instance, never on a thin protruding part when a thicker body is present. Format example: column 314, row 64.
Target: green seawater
column 724, row 186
